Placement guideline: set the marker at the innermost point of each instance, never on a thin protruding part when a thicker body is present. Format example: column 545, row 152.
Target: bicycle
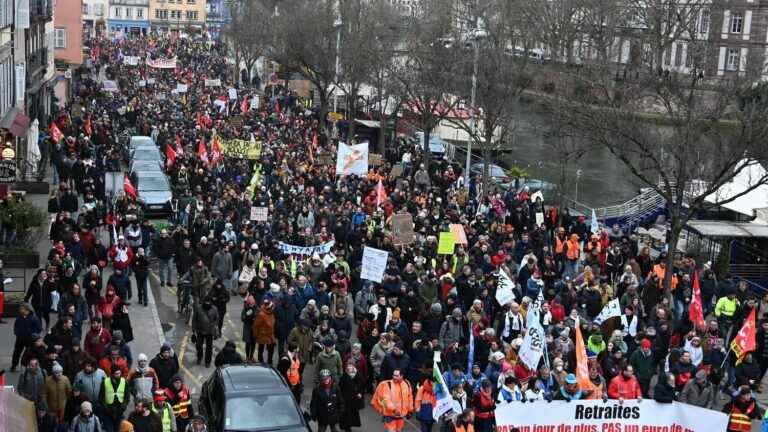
column 184, row 299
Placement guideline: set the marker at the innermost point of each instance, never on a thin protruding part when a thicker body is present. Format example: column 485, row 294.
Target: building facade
column 68, row 46
column 217, row 16
column 178, row 15
column 128, row 17
column 95, row 14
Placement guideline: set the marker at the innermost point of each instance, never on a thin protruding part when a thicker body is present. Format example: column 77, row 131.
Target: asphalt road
column 179, row 335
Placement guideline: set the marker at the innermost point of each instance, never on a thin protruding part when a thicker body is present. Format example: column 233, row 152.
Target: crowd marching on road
column 298, row 273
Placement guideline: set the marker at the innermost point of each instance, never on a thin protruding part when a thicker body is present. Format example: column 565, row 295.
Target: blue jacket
column 451, row 380
column 303, row 295
column 25, row 327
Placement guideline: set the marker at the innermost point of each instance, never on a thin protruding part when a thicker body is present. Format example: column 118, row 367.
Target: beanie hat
column 142, row 357
column 86, row 406
column 57, row 369
column 645, row 344
column 436, row 308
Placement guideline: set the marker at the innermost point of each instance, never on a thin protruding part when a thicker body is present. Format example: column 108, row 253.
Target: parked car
column 249, row 398
column 154, row 192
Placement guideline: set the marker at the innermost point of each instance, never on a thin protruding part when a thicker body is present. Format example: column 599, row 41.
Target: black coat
column 227, row 356
column 350, row 389
column 326, row 406
column 663, row 392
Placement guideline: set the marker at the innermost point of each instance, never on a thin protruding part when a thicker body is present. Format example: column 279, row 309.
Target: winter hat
column 142, row 357
column 86, row 407
column 57, row 369
column 274, row 288
column 436, row 308
column 165, row 347
column 645, row 344
column 456, row 313
column 117, row 335
column 570, row 379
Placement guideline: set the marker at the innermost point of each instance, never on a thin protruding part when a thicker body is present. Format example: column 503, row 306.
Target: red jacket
column 122, row 265
column 106, row 364
column 96, row 342
column 621, row 388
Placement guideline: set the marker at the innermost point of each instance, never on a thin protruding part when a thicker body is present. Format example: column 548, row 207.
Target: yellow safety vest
column 166, row 416
column 109, row 391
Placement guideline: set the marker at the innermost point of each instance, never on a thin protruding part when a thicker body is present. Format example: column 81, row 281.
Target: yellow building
column 184, row 15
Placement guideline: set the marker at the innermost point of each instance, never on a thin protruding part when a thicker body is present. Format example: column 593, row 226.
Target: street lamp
column 477, row 33
column 337, row 25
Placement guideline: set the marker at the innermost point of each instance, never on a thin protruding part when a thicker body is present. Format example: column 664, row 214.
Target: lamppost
column 477, row 33
column 337, row 25
column 578, row 176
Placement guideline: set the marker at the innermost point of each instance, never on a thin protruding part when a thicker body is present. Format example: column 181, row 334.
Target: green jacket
column 332, row 362
column 644, row 365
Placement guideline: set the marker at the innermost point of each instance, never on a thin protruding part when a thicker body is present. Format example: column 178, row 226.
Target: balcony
column 41, row 10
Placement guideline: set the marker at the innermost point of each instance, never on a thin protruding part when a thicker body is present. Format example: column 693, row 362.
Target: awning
column 727, row 229
column 15, row 121
column 369, row 123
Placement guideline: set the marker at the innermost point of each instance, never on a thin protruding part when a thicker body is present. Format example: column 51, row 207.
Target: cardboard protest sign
column 402, row 229
column 259, row 214
column 446, row 243
column 375, row 159
column 459, row 234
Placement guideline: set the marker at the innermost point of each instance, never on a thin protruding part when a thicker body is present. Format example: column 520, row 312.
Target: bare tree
column 250, row 31
column 305, row 41
column 677, row 133
column 559, row 22
column 424, row 75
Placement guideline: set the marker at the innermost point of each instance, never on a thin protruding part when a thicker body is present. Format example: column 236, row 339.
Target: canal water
column 603, row 179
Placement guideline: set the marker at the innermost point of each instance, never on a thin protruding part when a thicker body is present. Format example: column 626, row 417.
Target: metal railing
column 754, row 286
column 750, row 271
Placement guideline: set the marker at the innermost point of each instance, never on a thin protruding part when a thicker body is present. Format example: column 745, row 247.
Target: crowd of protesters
column 73, row 337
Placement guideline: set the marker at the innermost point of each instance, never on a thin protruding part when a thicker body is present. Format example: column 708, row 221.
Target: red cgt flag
column 381, row 194
column 56, row 132
column 170, row 156
column 696, row 312
column 245, row 105
column 744, row 341
column 202, row 152
column 215, row 150
column 129, row 189
column 179, row 146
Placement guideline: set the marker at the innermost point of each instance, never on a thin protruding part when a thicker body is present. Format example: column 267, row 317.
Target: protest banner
column 397, row 171
column 142, row 83
column 241, row 149
column 151, row 81
column 504, row 293
column 232, row 93
column 181, row 88
column 610, row 310
column 375, row 159
column 110, row 86
column 374, row 264
column 598, row 416
column 259, row 214
column 162, row 63
column 131, row 60
column 213, row 82
column 446, row 243
column 539, row 218
column 532, row 348
column 352, row 160
column 458, row 233
column 16, row 413
column 289, row 249
column 402, row 229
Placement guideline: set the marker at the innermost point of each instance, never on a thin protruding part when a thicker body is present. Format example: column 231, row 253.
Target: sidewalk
column 147, row 329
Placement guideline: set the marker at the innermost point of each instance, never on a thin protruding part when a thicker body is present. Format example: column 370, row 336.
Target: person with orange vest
column 742, row 409
column 425, row 403
column 393, row 399
column 660, row 271
column 559, row 247
column 465, row 421
column 291, row 368
column 572, row 255
column 178, row 396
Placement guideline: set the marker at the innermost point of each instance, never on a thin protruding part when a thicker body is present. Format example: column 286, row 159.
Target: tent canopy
column 747, row 178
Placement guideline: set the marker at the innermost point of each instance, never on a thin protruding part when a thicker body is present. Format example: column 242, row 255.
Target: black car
column 250, row 398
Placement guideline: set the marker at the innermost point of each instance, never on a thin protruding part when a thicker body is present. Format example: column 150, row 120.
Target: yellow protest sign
column 446, row 243
column 241, row 149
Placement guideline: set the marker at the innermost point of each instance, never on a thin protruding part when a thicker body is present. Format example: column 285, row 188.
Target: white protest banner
column 162, row 63
column 110, row 86
column 213, row 82
column 255, row 102
column 181, row 88
column 533, row 344
column 504, row 294
column 289, row 249
column 259, row 214
column 612, row 309
column 131, row 60
column 374, row 264
column 539, row 218
column 352, row 160
column 142, row 83
column 232, row 94
column 151, row 81
column 597, row 416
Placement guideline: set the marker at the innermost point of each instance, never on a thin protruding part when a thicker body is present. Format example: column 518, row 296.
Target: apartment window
column 128, row 12
column 191, row 15
column 191, row 1
column 60, row 38
column 99, row 9
column 85, row 9
column 737, row 21
column 704, row 21
column 139, row 13
column 732, row 59
column 175, row 14
column 118, row 12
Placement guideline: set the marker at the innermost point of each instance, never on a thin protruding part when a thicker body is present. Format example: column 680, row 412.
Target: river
column 604, row 180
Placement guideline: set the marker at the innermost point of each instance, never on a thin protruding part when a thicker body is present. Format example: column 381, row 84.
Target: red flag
column 245, row 105
column 128, row 188
column 56, row 133
column 278, row 110
column 170, row 156
column 215, row 150
column 744, row 341
column 582, row 368
column 381, row 194
column 179, row 146
column 87, row 127
column 202, row 152
column 695, row 311
column 315, row 140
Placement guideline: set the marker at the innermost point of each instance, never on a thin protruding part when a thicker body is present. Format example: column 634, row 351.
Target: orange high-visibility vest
column 739, row 420
column 294, row 372
column 559, row 244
